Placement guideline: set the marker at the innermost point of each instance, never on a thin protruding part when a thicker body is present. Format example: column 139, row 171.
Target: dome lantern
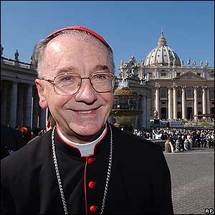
column 162, row 40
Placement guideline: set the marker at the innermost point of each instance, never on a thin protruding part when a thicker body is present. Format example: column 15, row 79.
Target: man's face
column 85, row 112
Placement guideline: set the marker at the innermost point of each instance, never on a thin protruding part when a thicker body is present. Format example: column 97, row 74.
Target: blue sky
column 130, row 27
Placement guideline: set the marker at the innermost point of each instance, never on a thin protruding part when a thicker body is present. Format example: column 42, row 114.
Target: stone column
column 203, row 100
column 13, row 106
column 169, row 103
column 208, row 102
column 195, row 103
column 20, row 106
column 183, row 105
column 29, row 106
column 174, row 103
column 4, row 91
column 157, row 101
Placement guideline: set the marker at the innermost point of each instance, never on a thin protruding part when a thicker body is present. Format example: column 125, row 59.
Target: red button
column 93, row 208
column 91, row 160
column 92, row 184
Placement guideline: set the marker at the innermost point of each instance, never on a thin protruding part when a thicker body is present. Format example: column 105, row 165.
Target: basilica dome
column 162, row 55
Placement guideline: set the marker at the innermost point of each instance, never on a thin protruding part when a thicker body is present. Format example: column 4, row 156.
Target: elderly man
column 83, row 165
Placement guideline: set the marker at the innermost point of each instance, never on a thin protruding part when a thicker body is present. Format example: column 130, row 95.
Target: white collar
column 85, row 149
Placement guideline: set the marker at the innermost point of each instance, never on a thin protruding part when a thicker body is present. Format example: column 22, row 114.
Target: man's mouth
column 86, row 111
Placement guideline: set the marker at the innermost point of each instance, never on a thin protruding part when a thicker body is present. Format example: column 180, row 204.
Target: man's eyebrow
column 66, row 69
column 101, row 67
column 73, row 69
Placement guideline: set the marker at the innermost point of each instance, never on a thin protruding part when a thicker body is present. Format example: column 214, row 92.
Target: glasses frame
column 52, row 82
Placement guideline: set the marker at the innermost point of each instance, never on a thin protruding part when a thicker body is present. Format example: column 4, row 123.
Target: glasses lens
column 67, row 83
column 102, row 82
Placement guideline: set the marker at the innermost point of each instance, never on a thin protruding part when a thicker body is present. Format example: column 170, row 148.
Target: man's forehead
column 79, row 29
column 62, row 47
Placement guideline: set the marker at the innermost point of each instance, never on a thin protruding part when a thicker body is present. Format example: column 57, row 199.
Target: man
column 83, row 165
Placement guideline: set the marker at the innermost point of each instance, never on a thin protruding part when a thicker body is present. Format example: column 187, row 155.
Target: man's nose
column 86, row 92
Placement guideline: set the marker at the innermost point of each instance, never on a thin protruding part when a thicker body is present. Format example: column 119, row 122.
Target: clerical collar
column 85, row 149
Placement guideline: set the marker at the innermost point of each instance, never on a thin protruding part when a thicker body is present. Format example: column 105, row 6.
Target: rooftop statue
column 2, row 48
column 16, row 55
column 124, row 71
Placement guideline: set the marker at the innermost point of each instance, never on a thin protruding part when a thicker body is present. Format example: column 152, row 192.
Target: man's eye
column 101, row 77
column 67, row 78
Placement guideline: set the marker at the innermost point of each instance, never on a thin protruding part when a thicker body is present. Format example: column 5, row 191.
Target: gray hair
column 39, row 48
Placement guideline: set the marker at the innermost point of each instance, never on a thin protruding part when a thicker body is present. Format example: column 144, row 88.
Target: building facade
column 19, row 99
column 179, row 91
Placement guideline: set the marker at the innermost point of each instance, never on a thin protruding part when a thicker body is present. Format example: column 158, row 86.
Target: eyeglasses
column 69, row 83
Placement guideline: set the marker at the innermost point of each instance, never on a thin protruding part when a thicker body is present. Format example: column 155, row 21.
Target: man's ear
column 41, row 92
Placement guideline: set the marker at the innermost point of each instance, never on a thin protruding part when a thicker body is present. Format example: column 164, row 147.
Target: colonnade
column 19, row 105
column 172, row 101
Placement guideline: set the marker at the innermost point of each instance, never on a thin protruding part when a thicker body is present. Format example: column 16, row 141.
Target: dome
column 162, row 55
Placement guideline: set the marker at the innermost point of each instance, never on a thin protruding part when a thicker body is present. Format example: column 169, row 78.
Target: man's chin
column 85, row 132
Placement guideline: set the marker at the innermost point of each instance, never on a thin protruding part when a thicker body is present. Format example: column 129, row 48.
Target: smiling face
column 82, row 115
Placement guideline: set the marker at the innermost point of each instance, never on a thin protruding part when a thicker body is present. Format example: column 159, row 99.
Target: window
column 211, row 93
column 163, row 74
column 163, row 92
column 178, row 93
column 199, row 93
column 189, row 92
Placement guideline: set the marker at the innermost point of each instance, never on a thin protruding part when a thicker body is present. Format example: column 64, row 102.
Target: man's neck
column 86, row 149
column 78, row 139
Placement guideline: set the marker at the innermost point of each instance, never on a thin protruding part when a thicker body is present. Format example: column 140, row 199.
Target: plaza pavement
column 192, row 175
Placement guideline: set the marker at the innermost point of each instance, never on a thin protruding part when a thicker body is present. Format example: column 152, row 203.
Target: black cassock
column 139, row 181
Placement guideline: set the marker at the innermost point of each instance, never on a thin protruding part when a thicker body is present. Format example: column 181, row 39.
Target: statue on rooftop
column 2, row 48
column 16, row 55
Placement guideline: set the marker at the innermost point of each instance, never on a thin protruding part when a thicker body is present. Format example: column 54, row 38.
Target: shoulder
column 133, row 152
column 30, row 154
column 133, row 143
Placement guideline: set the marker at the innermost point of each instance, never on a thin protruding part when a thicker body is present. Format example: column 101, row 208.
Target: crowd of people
column 180, row 139
column 177, row 139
